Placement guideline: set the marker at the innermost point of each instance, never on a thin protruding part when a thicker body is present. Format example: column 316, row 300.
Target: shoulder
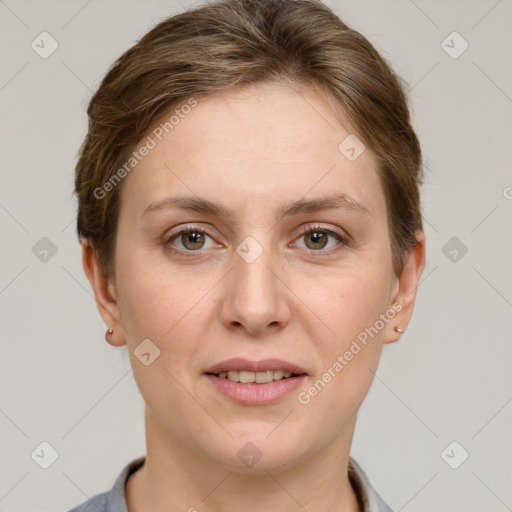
column 97, row 503
column 115, row 499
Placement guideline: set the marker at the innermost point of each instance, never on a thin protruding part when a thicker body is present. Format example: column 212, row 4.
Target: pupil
column 193, row 239
column 318, row 237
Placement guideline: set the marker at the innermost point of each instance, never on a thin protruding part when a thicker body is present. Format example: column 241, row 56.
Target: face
column 274, row 276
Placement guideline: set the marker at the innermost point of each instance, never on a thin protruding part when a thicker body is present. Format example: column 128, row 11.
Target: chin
column 254, row 453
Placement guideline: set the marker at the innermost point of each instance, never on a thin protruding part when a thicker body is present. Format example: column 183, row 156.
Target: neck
column 175, row 477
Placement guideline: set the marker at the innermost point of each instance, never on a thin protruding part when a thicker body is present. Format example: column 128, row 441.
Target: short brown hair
column 228, row 44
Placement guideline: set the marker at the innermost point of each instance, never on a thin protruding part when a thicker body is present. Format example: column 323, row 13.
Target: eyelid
column 184, row 228
column 320, row 227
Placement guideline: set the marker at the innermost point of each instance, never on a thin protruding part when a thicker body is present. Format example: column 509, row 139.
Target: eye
column 191, row 239
column 317, row 238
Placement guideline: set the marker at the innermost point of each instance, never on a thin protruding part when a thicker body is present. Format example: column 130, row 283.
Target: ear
column 405, row 289
column 104, row 292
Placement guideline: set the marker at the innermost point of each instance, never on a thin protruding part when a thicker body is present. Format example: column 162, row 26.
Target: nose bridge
column 253, row 262
column 255, row 297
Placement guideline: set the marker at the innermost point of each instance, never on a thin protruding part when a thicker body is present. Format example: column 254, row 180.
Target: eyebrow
column 200, row 205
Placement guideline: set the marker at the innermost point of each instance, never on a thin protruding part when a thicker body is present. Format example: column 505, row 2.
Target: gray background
column 448, row 379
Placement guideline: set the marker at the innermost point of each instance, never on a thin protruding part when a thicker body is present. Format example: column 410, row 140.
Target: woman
column 249, row 215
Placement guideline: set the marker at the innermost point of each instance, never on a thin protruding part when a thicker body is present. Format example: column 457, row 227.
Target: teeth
column 258, row 377
column 262, row 377
column 246, row 377
column 233, row 375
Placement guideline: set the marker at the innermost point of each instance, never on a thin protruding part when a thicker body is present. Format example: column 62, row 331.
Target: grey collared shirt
column 115, row 499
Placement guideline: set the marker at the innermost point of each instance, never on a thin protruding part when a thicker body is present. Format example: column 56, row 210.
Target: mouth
column 259, row 372
column 255, row 382
column 247, row 377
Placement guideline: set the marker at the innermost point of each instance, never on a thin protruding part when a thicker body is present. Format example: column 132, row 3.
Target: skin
column 251, row 150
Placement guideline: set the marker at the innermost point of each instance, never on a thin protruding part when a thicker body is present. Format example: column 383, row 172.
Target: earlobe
column 104, row 293
column 405, row 289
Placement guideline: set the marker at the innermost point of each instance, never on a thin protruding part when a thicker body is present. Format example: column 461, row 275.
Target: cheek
column 349, row 357
column 158, row 308
column 351, row 302
column 352, row 308
column 153, row 303
column 169, row 310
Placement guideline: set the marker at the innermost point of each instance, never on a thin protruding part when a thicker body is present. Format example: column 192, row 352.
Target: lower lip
column 256, row 394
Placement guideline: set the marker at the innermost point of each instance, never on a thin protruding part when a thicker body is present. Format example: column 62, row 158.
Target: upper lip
column 242, row 364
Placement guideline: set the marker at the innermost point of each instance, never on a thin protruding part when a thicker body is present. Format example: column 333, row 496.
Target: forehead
column 255, row 145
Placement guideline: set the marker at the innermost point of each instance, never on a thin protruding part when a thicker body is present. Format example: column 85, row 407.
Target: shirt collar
column 369, row 499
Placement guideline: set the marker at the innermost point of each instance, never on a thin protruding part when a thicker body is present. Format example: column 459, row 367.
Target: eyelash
column 304, row 231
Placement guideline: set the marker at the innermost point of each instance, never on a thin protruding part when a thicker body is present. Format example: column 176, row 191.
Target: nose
column 256, row 297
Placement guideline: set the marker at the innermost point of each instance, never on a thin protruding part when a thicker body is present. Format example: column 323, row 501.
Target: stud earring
column 108, row 333
column 398, row 330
